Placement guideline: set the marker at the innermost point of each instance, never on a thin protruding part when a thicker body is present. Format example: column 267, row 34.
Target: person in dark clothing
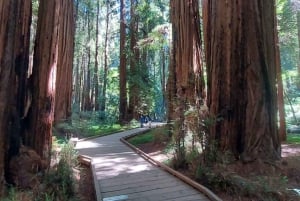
column 142, row 119
column 148, row 120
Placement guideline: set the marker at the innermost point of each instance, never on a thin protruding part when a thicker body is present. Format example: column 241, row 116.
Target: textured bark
column 41, row 116
column 163, row 80
column 185, row 82
column 77, row 84
column 5, row 76
column 96, row 77
column 187, row 42
column 171, row 87
column 103, row 98
column 242, row 96
column 63, row 96
column 122, row 70
column 87, row 73
column 15, row 19
column 134, row 59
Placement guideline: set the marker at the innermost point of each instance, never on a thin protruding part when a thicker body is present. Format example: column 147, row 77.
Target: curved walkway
column 121, row 174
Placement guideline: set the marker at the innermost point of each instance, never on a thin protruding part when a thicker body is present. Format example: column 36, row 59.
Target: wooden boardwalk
column 121, row 174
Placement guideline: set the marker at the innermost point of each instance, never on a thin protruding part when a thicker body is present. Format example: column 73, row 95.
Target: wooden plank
column 163, row 193
column 140, row 183
column 137, row 188
column 194, row 197
column 140, row 176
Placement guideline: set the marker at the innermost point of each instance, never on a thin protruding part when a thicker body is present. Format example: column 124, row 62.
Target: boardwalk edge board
column 171, row 171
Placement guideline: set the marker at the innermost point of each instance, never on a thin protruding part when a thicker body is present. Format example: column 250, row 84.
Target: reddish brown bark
column 6, row 69
column 64, row 75
column 39, row 133
column 134, row 64
column 185, row 82
column 15, row 22
column 187, row 42
column 242, row 96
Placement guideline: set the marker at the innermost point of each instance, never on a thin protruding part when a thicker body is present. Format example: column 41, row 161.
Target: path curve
column 121, row 174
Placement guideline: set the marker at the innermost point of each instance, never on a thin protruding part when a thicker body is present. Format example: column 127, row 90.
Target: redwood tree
column 242, row 98
column 105, row 52
column 186, row 72
column 134, row 63
column 40, row 119
column 65, row 61
column 15, row 22
column 185, row 82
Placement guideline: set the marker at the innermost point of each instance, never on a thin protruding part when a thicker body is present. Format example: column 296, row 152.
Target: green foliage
column 35, row 7
column 141, row 139
column 59, row 182
column 156, row 135
column 15, row 195
column 293, row 138
column 287, row 26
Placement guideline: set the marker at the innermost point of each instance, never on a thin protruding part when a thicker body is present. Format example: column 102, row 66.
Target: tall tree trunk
column 242, row 96
column 122, row 70
column 281, row 111
column 187, row 41
column 87, row 88
column 77, row 84
column 163, row 78
column 189, row 80
column 41, row 116
column 103, row 98
column 83, row 82
column 96, row 77
column 63, row 96
column 134, row 71
column 15, row 22
column 186, row 81
column 171, row 82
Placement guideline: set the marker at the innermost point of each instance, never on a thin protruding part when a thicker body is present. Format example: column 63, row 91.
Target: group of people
column 145, row 119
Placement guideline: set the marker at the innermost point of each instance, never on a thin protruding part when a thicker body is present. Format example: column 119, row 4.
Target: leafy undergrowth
column 293, row 138
column 66, row 180
column 232, row 180
column 156, row 135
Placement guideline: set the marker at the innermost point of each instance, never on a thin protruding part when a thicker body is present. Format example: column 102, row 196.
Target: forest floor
column 85, row 190
column 272, row 179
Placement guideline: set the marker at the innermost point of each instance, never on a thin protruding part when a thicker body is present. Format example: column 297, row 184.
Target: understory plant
column 59, row 183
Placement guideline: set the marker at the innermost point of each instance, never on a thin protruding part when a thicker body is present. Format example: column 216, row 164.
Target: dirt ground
column 85, row 189
column 285, row 174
